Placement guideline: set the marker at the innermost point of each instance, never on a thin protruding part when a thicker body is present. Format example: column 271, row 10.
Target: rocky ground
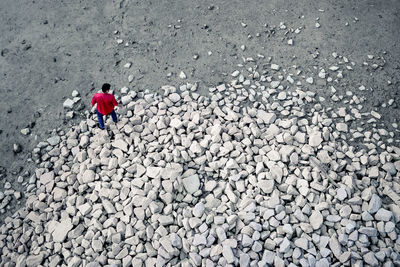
column 276, row 144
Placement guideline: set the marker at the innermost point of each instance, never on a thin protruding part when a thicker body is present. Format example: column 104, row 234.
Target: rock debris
column 247, row 176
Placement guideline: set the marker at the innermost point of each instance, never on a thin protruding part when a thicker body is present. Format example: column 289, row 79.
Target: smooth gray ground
column 49, row 48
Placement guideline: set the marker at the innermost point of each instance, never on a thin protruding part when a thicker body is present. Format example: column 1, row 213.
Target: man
column 105, row 105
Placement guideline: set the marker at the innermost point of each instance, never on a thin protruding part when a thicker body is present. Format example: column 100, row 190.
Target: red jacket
column 105, row 102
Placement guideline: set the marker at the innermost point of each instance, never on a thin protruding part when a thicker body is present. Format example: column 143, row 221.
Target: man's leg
column 100, row 118
column 114, row 116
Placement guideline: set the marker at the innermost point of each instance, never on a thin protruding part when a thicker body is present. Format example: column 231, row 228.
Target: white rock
column 335, row 247
column 288, row 229
column 235, row 73
column 374, row 204
column 97, row 245
column 216, row 130
column 301, row 243
column 165, row 220
column 61, row 230
column 247, row 241
column 282, row 95
column 68, row 103
column 210, row 185
column 182, row 75
column 199, row 240
column 21, row 261
column 370, row 259
column 153, row 172
column 316, row 219
column 324, row 261
column 75, row 93
column 244, row 260
column 176, row 240
column 174, row 97
column 176, row 123
column 59, row 194
column 275, row 67
column 140, row 170
column 195, row 147
column 383, row 215
column 85, row 208
column 376, row 114
column 390, row 168
column 322, row 74
column 341, row 194
column 221, row 234
column 194, row 257
column 108, row 206
column 88, row 176
column 369, row 231
column 25, row 131
column 275, row 84
column 257, row 247
column 75, row 261
column 124, row 90
column 126, row 99
column 315, row 139
column 191, row 183
column 17, row 148
column 198, row 210
column 69, row 114
column 34, row 260
column 54, row 140
column 342, row 127
column 267, row 186
column 284, row 246
column 228, row 254
column 274, row 155
column 266, row 117
column 389, row 227
column 121, row 144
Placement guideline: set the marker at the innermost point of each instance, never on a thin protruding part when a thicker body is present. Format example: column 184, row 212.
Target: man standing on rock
column 105, row 105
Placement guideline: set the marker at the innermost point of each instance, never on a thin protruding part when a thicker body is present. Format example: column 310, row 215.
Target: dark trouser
column 100, row 118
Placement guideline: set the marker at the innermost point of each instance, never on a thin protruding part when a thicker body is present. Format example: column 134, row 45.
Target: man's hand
column 93, row 109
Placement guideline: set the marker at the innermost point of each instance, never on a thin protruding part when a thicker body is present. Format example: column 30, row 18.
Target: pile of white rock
column 187, row 180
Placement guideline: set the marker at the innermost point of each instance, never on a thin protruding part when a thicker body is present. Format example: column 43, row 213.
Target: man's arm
column 115, row 103
column 93, row 101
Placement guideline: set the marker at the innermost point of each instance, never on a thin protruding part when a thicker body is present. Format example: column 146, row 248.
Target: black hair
column 105, row 87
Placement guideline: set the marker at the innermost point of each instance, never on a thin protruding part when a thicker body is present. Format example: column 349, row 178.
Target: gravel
column 190, row 180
